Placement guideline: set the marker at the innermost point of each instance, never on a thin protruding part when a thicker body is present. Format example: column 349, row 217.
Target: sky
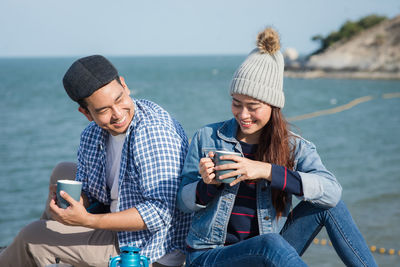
column 54, row 28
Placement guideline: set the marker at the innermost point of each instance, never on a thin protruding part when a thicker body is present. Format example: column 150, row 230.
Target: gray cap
column 88, row 74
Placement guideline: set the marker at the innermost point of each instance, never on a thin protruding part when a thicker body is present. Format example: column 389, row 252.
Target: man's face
column 110, row 107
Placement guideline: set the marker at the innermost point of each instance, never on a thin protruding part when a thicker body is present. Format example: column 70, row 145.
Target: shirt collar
column 135, row 119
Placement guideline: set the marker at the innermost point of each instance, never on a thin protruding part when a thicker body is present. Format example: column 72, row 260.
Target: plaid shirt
column 152, row 158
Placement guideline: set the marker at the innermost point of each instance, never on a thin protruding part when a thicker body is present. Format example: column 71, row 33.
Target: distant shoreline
column 339, row 74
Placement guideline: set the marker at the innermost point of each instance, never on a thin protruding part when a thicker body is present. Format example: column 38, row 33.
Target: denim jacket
column 209, row 224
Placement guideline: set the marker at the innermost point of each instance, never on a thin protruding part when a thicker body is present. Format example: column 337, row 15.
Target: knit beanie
column 261, row 74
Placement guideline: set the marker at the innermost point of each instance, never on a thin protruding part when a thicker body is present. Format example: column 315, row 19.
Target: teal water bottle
column 129, row 257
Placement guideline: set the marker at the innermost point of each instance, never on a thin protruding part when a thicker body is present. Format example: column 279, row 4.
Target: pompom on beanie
column 261, row 74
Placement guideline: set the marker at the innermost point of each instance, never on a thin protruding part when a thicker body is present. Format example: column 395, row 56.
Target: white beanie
column 261, row 74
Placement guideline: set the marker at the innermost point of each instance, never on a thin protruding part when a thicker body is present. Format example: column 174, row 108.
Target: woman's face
column 251, row 115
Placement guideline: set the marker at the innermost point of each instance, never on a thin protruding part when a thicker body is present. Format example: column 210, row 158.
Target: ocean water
column 40, row 127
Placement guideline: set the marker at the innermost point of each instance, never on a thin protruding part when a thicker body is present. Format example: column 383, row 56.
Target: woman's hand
column 206, row 169
column 247, row 169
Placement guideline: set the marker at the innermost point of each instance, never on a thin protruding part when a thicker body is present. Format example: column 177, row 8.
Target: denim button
column 266, row 218
column 263, row 188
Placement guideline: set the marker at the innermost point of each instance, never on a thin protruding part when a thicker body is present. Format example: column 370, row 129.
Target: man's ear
column 85, row 112
column 122, row 81
column 124, row 84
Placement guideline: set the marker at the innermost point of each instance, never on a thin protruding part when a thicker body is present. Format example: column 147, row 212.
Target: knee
column 277, row 251
column 63, row 171
column 270, row 238
column 275, row 242
column 340, row 207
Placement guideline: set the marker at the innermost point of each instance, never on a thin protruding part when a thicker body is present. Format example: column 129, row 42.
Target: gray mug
column 218, row 161
column 72, row 188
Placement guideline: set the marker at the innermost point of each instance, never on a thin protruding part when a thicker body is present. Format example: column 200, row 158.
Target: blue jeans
column 302, row 226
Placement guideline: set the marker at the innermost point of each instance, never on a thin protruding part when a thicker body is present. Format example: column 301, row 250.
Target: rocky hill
column 373, row 53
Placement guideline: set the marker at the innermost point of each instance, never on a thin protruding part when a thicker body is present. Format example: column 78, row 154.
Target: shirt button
column 266, row 218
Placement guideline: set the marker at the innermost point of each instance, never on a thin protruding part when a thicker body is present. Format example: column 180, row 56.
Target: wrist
column 91, row 221
column 267, row 171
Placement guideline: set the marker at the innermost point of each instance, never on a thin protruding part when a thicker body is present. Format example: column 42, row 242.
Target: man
column 130, row 157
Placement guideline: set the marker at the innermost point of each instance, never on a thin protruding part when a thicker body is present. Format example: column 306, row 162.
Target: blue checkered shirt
column 152, row 158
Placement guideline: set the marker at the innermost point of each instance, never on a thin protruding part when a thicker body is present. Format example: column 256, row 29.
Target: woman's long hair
column 274, row 147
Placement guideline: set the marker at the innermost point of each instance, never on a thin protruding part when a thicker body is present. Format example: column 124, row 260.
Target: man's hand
column 74, row 215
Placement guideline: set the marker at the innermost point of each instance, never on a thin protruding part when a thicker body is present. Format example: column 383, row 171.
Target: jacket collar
column 227, row 131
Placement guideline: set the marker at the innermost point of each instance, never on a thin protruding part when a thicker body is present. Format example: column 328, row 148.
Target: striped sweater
column 243, row 222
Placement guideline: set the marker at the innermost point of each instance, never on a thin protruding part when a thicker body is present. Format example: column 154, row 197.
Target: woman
column 249, row 222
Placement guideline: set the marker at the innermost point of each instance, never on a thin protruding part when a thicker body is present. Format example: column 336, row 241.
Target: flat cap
column 88, row 74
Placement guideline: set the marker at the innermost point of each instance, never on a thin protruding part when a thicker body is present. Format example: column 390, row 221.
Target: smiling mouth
column 121, row 121
column 246, row 123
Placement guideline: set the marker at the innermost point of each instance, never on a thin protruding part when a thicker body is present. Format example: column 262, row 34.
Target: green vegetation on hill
column 346, row 31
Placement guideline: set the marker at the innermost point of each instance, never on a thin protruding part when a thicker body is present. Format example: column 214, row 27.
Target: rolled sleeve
column 150, row 213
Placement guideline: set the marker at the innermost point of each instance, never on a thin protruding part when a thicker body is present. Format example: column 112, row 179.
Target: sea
column 359, row 143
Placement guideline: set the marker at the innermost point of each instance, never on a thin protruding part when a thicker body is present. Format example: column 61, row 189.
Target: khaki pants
column 42, row 242
column 46, row 241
